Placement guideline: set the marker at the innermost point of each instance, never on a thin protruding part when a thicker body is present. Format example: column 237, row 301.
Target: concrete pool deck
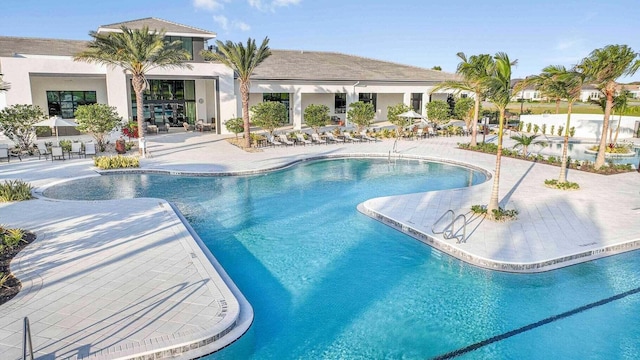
column 79, row 239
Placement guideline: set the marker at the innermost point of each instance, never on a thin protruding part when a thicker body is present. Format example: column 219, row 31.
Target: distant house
column 528, row 93
column 42, row 72
column 634, row 89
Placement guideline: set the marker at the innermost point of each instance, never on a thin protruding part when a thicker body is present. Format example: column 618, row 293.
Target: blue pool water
column 327, row 282
column 579, row 152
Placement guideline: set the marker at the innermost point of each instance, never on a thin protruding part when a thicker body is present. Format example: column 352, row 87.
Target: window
column 369, row 98
column 65, row 103
column 171, row 101
column 416, row 102
column 187, row 43
column 341, row 103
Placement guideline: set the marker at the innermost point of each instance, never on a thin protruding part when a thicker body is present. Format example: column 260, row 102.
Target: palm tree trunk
column 615, row 138
column 138, row 88
column 557, row 106
column 244, row 91
column 474, row 126
column 493, row 201
column 565, row 146
column 605, row 129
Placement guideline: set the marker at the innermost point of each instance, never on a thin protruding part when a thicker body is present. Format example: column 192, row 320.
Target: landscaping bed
column 12, row 285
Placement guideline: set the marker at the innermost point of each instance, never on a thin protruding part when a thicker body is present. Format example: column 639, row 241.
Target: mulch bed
column 12, row 287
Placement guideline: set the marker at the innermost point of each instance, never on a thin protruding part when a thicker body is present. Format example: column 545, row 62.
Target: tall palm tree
column 498, row 87
column 603, row 66
column 474, row 70
column 525, row 141
column 243, row 60
column 620, row 104
column 137, row 51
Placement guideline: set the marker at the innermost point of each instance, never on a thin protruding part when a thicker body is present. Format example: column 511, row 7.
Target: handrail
column 26, row 340
column 449, row 231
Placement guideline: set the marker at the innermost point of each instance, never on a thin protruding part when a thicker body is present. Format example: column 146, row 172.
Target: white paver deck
column 81, row 238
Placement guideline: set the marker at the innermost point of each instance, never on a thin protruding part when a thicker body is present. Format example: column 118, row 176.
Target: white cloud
column 211, row 5
column 222, row 21
column 272, row 5
column 242, row 26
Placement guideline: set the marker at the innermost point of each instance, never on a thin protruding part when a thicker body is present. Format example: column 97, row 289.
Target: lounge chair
column 163, row 127
column 420, row 133
column 316, row 138
column 272, row 141
column 284, row 140
column 43, row 151
column 89, row 149
column 302, row 140
column 364, row 136
column 332, row 138
column 348, row 137
column 432, row 132
column 76, row 148
column 56, row 152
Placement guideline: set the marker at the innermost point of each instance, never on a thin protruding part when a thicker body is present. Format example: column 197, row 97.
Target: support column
column 406, row 99
column 425, row 100
column 297, row 109
column 119, row 92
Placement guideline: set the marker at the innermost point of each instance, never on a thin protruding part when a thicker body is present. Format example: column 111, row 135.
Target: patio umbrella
column 56, row 122
column 413, row 115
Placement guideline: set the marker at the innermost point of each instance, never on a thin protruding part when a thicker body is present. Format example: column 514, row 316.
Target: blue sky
column 420, row 33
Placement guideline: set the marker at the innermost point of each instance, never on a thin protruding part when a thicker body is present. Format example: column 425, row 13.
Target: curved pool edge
column 454, row 250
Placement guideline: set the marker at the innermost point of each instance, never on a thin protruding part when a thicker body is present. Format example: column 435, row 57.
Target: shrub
column 529, row 127
column 567, row 185
column 4, row 278
column 572, row 131
column 501, row 214
column 553, row 128
column 479, row 209
column 316, row 116
column 520, row 126
column 15, row 190
column 116, row 162
column 12, row 237
column 235, row 125
column 98, row 120
column 560, row 129
column 65, row 145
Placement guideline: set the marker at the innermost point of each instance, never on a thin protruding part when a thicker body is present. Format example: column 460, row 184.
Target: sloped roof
column 35, row 46
column 316, row 65
column 158, row 24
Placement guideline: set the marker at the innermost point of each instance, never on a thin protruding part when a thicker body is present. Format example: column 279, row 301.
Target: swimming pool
column 328, row 282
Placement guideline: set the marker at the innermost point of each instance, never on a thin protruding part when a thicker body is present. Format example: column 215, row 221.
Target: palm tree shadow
column 507, row 197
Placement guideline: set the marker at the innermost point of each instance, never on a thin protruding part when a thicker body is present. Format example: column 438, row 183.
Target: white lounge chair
column 364, row 136
column 316, row 138
column 348, row 137
column 272, row 141
column 56, row 152
column 332, row 138
column 76, row 148
column 302, row 140
column 284, row 140
column 89, row 149
column 432, row 132
column 42, row 151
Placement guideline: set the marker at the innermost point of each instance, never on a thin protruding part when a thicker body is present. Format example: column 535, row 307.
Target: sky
column 423, row 33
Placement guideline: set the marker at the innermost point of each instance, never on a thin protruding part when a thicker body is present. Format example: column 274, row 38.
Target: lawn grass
column 550, row 108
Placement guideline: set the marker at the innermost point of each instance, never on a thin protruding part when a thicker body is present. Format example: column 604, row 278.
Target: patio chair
column 364, row 136
column 89, row 149
column 332, row 138
column 163, row 127
column 432, row 132
column 348, row 137
column 43, row 151
column 302, row 140
column 316, row 138
column 76, row 148
column 273, row 142
column 56, row 152
column 420, row 134
column 284, row 140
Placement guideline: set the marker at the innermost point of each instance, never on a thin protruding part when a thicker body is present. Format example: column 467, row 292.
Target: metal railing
column 449, row 230
column 27, row 344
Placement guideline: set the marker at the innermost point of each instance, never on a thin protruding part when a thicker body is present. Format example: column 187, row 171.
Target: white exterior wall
column 386, row 100
column 40, row 86
column 320, row 99
column 587, row 126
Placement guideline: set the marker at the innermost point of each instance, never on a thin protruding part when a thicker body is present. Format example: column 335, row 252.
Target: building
column 42, row 72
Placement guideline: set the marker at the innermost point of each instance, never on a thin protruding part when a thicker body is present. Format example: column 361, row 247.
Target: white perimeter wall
column 587, row 126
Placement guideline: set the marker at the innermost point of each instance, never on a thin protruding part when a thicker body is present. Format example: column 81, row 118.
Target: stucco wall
column 320, row 99
column 587, row 126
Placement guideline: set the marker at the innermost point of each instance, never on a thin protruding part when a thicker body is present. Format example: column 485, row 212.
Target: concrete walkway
column 83, row 246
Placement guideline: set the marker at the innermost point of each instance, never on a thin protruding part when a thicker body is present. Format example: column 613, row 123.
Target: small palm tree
column 474, row 70
column 524, row 141
column 603, row 66
column 243, row 60
column 620, row 104
column 137, row 51
column 498, row 87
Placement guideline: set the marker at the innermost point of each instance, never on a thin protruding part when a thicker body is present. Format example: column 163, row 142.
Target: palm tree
column 474, row 70
column 603, row 67
column 525, row 141
column 243, row 60
column 620, row 104
column 137, row 51
column 498, row 90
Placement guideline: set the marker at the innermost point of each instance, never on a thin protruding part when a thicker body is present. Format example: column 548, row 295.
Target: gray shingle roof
column 315, row 65
column 158, row 24
column 33, row 46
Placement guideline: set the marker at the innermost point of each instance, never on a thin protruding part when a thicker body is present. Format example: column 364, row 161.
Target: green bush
column 4, row 278
column 572, row 131
column 553, row 130
column 501, row 214
column 543, row 129
column 560, row 129
column 479, row 209
column 116, row 162
column 15, row 190
column 529, row 127
column 536, row 128
column 567, row 185
column 65, row 145
column 12, row 237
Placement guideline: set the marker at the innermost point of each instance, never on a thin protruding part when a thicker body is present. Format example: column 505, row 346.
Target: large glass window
column 187, row 43
column 416, row 102
column 341, row 103
column 278, row 97
column 167, row 102
column 369, row 98
column 65, row 103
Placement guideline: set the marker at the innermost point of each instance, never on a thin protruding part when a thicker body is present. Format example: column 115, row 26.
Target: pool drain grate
column 532, row 326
